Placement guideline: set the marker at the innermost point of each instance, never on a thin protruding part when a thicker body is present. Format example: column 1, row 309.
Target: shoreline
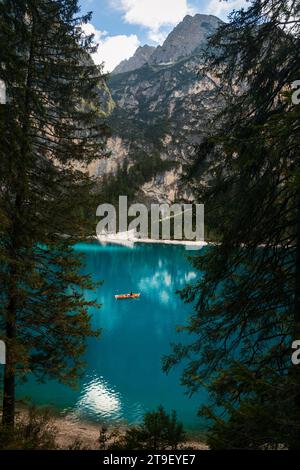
column 130, row 241
column 72, row 431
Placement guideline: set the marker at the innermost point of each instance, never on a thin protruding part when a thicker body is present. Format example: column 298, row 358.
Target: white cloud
column 90, row 29
column 157, row 16
column 222, row 8
column 112, row 49
column 153, row 14
column 157, row 36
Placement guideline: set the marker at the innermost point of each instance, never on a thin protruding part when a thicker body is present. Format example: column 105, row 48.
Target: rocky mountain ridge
column 162, row 109
column 141, row 57
column 187, row 37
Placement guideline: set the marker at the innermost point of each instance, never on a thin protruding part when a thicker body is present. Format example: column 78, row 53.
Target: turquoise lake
column 123, row 378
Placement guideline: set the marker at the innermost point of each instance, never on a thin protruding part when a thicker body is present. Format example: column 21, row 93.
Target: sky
column 121, row 26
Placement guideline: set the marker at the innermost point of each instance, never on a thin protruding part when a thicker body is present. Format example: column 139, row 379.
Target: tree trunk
column 8, row 416
column 9, row 400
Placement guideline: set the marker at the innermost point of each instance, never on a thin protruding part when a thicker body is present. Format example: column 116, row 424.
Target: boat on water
column 127, row 296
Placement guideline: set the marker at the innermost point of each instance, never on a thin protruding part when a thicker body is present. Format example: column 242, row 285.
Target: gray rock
column 163, row 107
column 189, row 35
column 140, row 58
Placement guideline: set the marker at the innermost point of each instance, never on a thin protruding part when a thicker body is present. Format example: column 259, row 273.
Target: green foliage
column 130, row 177
column 51, row 129
column 33, row 431
column 103, row 438
column 108, row 439
column 247, row 300
column 149, row 124
column 251, row 426
column 159, row 431
column 262, row 418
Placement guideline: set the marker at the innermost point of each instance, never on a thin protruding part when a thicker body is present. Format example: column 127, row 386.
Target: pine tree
column 51, row 129
column 158, row 431
column 247, row 310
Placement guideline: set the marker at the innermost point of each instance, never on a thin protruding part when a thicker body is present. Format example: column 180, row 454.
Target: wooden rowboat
column 127, row 296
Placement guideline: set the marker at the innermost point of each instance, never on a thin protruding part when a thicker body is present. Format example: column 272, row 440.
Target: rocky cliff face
column 162, row 107
column 189, row 36
column 140, row 58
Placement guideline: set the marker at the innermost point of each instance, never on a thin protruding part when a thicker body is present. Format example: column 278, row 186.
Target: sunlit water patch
column 123, row 377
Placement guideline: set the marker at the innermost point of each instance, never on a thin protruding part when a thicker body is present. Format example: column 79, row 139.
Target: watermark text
column 296, row 93
column 2, row 352
column 296, row 353
column 2, row 92
column 178, row 222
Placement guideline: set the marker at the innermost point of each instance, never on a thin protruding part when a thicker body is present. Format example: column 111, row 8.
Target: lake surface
column 123, row 378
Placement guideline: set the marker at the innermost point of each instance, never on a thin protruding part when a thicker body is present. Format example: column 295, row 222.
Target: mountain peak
column 187, row 18
column 140, row 58
column 191, row 33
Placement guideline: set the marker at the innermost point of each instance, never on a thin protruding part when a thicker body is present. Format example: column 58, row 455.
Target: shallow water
column 123, row 377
